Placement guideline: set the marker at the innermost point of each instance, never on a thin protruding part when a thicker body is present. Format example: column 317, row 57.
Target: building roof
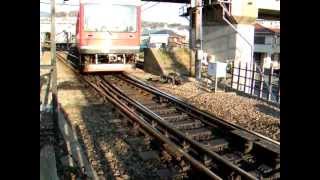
column 275, row 30
column 146, row 32
column 167, row 31
column 258, row 28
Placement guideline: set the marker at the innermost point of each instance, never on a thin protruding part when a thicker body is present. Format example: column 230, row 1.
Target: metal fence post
column 278, row 88
column 232, row 69
column 252, row 78
column 239, row 75
column 245, row 78
column 261, row 82
column 270, row 82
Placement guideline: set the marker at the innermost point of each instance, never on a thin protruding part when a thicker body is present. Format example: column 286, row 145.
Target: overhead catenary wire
column 41, row 2
column 150, row 6
column 145, row 3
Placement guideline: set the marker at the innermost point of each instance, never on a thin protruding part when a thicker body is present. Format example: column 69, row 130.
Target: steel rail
column 180, row 135
column 146, row 126
column 220, row 121
column 109, row 88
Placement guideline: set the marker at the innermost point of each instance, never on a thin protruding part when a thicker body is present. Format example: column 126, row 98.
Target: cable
column 150, row 6
column 60, row 4
column 145, row 3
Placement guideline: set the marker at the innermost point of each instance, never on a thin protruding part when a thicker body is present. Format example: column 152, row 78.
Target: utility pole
column 191, row 47
column 53, row 46
column 54, row 66
column 198, row 38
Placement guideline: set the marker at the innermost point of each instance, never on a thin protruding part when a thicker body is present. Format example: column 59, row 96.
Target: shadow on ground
column 70, row 85
column 103, row 137
column 268, row 110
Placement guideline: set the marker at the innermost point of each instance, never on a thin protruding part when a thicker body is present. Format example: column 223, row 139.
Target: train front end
column 108, row 35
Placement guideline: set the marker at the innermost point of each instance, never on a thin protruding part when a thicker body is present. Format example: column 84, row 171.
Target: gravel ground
column 249, row 113
column 106, row 148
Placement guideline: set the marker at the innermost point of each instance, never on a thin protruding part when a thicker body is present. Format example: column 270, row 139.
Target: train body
column 108, row 34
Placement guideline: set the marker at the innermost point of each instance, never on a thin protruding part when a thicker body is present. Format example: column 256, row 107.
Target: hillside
column 160, row 25
column 60, row 14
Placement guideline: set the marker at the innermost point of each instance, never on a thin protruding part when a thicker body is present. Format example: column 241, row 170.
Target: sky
column 160, row 12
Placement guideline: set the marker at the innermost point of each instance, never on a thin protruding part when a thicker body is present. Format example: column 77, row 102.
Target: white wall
column 243, row 52
column 268, row 4
column 159, row 38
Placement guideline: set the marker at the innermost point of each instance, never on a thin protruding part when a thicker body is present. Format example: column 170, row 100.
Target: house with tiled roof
column 164, row 38
column 167, row 38
column 267, row 46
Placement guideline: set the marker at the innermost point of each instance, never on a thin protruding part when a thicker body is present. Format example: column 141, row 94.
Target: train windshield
column 106, row 18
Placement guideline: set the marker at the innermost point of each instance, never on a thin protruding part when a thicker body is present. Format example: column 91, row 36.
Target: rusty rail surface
column 258, row 156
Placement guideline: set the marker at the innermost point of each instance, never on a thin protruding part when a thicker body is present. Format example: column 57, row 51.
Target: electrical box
column 217, row 69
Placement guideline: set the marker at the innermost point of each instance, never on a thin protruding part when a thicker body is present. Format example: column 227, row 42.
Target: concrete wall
column 219, row 40
column 244, row 11
column 160, row 62
column 225, row 44
column 151, row 65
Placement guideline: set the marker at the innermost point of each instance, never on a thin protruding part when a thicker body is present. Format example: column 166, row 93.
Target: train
column 108, row 35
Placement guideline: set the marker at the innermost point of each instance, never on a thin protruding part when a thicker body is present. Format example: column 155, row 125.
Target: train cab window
column 110, row 18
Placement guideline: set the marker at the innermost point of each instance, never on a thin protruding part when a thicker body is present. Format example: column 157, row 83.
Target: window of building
column 259, row 39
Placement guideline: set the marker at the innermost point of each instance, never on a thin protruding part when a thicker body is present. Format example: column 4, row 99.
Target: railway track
column 132, row 154
column 198, row 141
